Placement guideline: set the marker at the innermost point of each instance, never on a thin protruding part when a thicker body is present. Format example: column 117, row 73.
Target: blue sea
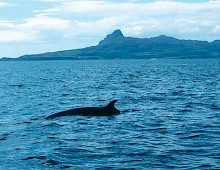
column 170, row 114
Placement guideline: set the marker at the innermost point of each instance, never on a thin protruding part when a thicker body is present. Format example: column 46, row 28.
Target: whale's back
column 108, row 110
column 87, row 111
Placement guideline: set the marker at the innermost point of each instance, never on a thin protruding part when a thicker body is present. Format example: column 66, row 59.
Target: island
column 117, row 46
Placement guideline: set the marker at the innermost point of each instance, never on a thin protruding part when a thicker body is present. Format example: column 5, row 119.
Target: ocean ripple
column 170, row 114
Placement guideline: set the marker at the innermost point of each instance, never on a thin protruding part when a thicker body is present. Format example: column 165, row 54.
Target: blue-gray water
column 170, row 114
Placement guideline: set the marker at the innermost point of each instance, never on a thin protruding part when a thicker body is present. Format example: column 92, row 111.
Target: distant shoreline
column 116, row 46
column 16, row 60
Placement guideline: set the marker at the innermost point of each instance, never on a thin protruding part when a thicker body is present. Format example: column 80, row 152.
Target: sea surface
column 170, row 115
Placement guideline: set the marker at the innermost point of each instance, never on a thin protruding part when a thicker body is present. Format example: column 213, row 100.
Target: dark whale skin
column 108, row 110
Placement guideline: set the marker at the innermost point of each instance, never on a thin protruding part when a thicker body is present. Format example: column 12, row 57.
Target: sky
column 37, row 26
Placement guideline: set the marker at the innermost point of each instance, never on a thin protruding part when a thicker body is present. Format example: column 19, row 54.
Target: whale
column 108, row 110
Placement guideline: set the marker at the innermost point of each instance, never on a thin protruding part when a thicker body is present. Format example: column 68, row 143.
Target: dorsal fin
column 112, row 104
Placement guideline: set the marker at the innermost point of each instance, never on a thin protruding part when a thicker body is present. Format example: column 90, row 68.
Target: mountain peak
column 116, row 35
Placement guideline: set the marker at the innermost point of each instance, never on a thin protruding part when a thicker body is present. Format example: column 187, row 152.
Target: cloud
column 11, row 33
column 217, row 29
column 93, row 19
column 156, row 8
column 45, row 23
column 6, row 24
column 7, row 36
column 137, row 18
column 38, row 28
column 5, row 4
